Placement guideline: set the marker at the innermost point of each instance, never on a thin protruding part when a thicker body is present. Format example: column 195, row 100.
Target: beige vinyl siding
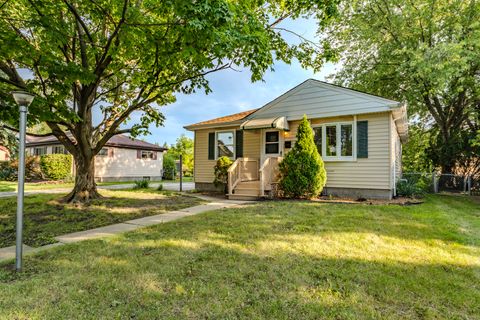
column 321, row 100
column 370, row 173
column 204, row 167
column 124, row 163
column 396, row 153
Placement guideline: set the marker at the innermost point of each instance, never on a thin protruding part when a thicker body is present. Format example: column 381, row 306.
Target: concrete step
column 243, row 197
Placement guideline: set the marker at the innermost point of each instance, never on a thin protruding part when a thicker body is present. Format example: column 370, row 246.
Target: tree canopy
column 423, row 52
column 118, row 57
column 184, row 147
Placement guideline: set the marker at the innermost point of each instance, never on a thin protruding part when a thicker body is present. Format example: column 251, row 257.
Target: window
column 334, row 141
column 272, row 142
column 103, row 152
column 331, row 143
column 59, row 149
column 226, row 144
column 317, row 137
column 346, row 140
column 39, row 151
column 148, row 154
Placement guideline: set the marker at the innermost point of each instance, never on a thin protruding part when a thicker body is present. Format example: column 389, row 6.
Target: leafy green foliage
column 183, row 147
column 416, row 152
column 56, row 166
column 8, row 140
column 169, row 166
column 425, row 53
column 160, row 187
column 220, row 171
column 302, row 171
column 141, row 184
column 9, row 169
column 407, row 188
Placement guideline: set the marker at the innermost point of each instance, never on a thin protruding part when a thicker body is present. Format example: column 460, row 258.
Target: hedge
column 56, row 166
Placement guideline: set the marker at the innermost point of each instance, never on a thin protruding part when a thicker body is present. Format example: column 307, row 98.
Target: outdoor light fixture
column 23, row 99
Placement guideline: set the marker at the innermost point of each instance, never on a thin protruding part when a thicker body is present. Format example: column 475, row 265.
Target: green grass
column 46, row 217
column 11, row 186
column 273, row 260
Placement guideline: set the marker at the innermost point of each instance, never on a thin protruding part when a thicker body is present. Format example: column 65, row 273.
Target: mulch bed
column 402, row 201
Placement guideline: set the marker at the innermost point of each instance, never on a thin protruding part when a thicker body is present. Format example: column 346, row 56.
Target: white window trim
column 234, row 143
column 338, row 125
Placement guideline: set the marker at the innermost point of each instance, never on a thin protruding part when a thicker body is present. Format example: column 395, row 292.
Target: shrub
column 168, row 167
column 302, row 172
column 160, row 187
column 408, row 189
column 56, row 166
column 141, row 184
column 9, row 169
column 221, row 171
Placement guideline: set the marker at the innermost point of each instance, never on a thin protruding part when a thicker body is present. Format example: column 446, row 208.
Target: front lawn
column 275, row 260
column 46, row 217
column 11, row 186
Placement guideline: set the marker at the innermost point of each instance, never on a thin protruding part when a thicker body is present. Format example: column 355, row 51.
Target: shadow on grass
column 270, row 260
column 47, row 217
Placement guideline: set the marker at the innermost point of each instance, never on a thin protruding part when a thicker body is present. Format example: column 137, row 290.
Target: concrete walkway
column 172, row 186
column 214, row 204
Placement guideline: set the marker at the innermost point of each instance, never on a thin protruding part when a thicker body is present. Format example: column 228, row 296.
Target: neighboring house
column 122, row 158
column 4, row 153
column 358, row 135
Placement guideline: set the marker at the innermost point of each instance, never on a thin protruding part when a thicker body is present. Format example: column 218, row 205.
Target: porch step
column 246, row 190
column 244, row 197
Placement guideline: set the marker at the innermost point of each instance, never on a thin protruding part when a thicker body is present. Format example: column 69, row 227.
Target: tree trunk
column 85, row 188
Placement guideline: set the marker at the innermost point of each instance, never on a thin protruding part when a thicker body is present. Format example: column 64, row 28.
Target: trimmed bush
column 302, row 171
column 56, row 166
column 221, row 171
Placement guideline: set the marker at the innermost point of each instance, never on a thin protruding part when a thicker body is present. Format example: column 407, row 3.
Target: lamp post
column 23, row 99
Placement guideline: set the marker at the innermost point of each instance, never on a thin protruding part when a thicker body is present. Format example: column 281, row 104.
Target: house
column 121, row 159
column 358, row 135
column 4, row 153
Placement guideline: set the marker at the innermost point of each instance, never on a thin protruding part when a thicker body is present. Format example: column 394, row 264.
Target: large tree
column 423, row 52
column 117, row 57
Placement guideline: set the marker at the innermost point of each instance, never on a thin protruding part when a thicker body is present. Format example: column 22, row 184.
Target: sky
column 233, row 91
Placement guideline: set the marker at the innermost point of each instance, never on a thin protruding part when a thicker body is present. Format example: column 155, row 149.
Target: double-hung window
column 334, row 141
column 226, row 144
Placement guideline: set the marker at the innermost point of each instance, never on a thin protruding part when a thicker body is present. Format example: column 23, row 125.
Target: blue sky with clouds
column 233, row 92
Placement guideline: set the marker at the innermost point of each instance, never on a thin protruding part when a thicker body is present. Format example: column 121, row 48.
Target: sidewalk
column 214, row 204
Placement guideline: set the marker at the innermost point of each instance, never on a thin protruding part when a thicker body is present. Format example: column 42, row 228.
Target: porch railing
column 234, row 175
column 268, row 173
column 243, row 169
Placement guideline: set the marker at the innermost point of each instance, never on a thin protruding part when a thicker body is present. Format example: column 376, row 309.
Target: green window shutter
column 211, row 146
column 239, row 144
column 362, row 139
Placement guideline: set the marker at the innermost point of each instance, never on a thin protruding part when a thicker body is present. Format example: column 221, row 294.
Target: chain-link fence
column 450, row 183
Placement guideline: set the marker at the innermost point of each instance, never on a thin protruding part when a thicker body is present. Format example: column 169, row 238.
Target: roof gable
column 319, row 99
